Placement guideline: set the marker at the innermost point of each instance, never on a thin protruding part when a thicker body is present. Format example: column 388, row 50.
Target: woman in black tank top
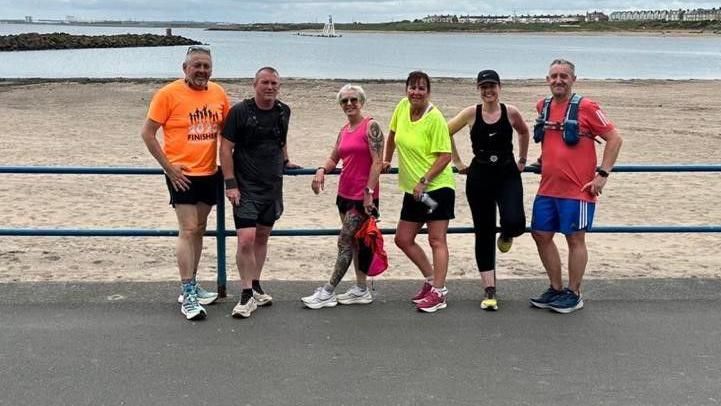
column 494, row 176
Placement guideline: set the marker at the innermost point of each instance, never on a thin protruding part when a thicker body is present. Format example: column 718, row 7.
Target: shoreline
column 620, row 33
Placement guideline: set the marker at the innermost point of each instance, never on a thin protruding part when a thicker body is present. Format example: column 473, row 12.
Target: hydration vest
column 569, row 128
column 280, row 128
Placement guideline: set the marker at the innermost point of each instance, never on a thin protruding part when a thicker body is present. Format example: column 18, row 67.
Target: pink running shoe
column 434, row 300
column 422, row 292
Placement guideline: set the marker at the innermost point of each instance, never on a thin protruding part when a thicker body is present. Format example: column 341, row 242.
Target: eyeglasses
column 345, row 100
column 198, row 48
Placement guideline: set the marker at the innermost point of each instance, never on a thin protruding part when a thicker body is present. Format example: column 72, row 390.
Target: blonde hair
column 357, row 89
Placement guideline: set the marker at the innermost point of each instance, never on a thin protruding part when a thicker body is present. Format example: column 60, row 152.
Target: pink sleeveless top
column 354, row 152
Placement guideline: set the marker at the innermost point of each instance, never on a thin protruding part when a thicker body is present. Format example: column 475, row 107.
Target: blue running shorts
column 566, row 216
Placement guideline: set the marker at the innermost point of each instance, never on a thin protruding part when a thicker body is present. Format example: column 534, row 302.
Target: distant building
column 29, row 19
column 504, row 19
column 713, row 14
column 550, row 19
column 440, row 19
column 485, row 19
column 596, row 16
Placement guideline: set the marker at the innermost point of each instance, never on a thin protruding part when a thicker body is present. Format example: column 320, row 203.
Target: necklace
column 415, row 116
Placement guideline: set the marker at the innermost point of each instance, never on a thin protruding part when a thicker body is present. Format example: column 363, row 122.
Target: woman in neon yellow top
column 420, row 133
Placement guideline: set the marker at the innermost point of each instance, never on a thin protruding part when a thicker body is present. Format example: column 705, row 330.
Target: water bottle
column 428, row 201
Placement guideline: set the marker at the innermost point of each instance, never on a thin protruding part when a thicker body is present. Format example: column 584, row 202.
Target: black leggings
column 486, row 186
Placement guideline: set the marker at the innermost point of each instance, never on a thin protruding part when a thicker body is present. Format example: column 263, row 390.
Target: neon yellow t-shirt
column 418, row 143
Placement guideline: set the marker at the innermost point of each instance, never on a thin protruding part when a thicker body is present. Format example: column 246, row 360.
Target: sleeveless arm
column 518, row 124
column 375, row 145
column 466, row 117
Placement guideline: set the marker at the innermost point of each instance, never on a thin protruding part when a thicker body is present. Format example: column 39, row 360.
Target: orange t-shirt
column 192, row 121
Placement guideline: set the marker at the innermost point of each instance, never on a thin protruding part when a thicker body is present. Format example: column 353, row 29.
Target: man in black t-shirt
column 253, row 155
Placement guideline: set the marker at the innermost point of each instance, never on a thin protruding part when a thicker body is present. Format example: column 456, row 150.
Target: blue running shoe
column 543, row 301
column 204, row 297
column 566, row 302
column 191, row 309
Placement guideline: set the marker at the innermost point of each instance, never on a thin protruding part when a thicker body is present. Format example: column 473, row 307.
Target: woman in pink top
column 360, row 147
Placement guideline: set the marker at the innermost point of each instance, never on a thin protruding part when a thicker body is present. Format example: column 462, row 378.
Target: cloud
column 246, row 11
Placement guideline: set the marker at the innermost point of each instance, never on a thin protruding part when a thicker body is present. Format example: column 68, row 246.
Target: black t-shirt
column 259, row 137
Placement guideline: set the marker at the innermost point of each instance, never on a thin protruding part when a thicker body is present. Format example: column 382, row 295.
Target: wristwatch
column 368, row 190
column 423, row 180
column 601, row 172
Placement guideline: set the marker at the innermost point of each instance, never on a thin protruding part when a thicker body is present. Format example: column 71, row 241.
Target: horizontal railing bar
column 75, row 170
column 220, row 233
column 54, row 232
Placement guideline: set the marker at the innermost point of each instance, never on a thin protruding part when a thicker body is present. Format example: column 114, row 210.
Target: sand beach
column 97, row 123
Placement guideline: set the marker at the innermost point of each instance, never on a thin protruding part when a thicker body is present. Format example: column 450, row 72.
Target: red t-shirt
column 565, row 169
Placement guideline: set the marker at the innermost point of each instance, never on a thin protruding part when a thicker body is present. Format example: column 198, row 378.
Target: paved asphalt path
column 637, row 342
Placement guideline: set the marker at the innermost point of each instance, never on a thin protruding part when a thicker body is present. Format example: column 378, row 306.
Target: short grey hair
column 359, row 91
column 196, row 49
column 561, row 61
column 270, row 69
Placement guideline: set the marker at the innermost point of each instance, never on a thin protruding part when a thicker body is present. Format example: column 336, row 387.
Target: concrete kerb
column 386, row 290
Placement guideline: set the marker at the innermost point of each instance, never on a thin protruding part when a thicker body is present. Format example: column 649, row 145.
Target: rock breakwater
column 34, row 41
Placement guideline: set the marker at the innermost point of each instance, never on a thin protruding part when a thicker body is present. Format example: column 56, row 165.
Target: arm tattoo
column 375, row 136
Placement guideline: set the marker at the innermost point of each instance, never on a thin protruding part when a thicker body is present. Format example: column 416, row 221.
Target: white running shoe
column 355, row 295
column 204, row 297
column 262, row 299
column 243, row 311
column 320, row 299
column 191, row 309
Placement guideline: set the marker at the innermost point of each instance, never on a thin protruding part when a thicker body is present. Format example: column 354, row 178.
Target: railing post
column 220, row 237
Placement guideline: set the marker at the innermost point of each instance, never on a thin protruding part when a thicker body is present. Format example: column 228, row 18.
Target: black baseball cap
column 488, row 76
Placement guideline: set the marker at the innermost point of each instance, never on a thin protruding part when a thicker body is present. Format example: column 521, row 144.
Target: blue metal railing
column 220, row 233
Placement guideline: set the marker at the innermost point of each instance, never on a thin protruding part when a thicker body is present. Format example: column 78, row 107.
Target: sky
column 250, row 11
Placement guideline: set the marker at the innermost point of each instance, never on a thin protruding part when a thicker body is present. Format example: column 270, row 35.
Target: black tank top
column 496, row 138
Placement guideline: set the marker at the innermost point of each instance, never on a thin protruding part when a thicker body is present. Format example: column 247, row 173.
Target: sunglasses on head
column 345, row 100
column 198, row 48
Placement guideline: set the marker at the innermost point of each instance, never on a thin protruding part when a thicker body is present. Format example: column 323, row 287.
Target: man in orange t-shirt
column 570, row 185
column 191, row 112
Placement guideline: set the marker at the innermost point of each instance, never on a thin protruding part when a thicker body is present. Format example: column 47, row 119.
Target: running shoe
column 489, row 301
column 204, row 297
column 543, row 301
column 504, row 244
column 319, row 299
column 262, row 299
column 191, row 309
column 435, row 300
column 422, row 292
column 355, row 295
column 243, row 311
column 566, row 302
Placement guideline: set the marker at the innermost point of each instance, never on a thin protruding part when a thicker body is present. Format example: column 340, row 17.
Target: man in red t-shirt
column 191, row 112
column 570, row 185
